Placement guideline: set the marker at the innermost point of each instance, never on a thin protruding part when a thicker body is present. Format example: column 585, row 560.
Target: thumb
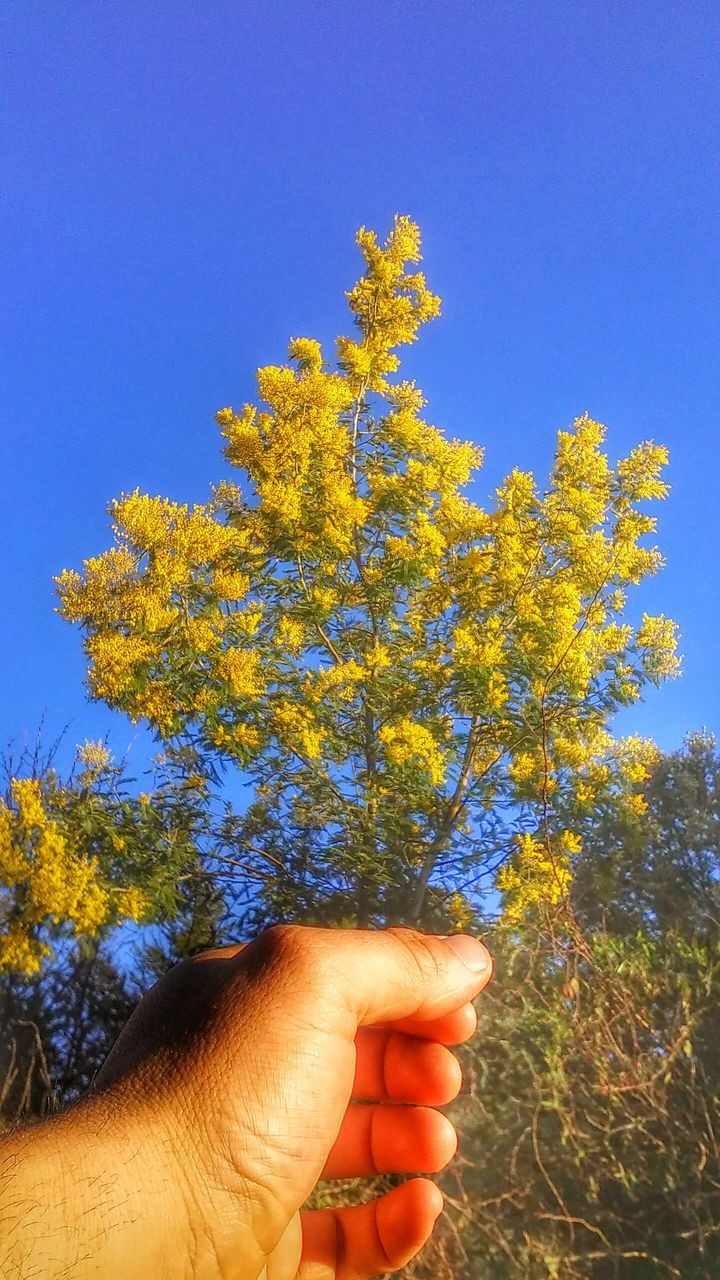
column 385, row 975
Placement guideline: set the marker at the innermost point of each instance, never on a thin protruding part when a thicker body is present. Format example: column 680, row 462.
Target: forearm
column 83, row 1196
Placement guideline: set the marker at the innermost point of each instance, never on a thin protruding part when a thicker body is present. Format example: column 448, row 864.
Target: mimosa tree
column 81, row 855
column 417, row 687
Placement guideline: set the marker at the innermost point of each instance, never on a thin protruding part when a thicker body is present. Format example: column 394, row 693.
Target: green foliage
column 597, row 1092
column 659, row 869
column 589, row 1124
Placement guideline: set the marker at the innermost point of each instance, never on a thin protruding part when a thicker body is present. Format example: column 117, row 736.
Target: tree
column 418, row 688
column 595, row 1080
column 596, row 1111
column 78, row 857
column 58, row 1027
column 59, row 866
column 659, row 869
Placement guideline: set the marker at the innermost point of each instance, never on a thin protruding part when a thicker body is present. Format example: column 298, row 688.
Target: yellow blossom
column 407, row 741
column 94, row 755
column 291, row 633
column 132, row 903
column 241, row 668
column 230, row 585
column 248, row 620
column 637, row 803
column 26, row 794
column 116, row 660
column 296, row 729
column 536, row 876
column 59, row 882
column 657, row 637
column 377, row 657
column 156, row 703
column 460, row 913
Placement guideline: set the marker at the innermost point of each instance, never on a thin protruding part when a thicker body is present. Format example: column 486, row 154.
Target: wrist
column 92, row 1192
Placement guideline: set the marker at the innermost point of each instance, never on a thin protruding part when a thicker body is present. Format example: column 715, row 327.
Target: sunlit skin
column 244, row 1077
column 340, row 1069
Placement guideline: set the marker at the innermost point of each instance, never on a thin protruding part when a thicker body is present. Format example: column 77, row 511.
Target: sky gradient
column 182, row 188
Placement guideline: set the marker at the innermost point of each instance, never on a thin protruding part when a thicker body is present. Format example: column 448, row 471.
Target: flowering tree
column 418, row 688
column 80, row 855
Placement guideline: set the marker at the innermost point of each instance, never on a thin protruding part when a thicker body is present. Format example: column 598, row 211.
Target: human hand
column 248, row 1073
column 258, row 1057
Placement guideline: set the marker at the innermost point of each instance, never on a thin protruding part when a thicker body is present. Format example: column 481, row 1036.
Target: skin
column 245, row 1076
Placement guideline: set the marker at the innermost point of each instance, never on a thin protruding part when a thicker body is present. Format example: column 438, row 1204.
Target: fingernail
column 470, row 950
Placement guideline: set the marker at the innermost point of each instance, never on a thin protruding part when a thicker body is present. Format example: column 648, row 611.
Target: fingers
column 387, row 1139
column 393, row 1067
column 451, row 1028
column 367, row 1240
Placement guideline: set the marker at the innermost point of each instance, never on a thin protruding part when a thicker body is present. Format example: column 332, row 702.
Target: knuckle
column 287, row 943
column 421, row 952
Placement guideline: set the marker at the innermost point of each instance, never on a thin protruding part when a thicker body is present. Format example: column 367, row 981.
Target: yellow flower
column 59, row 882
column 460, row 912
column 537, row 876
column 94, row 755
column 658, row 638
column 229, row 584
column 408, row 741
column 26, row 794
column 131, row 904
column 156, row 703
column 291, row 633
column 571, row 842
column 248, row 620
column 377, row 657
column 241, row 668
column 115, row 659
column 20, row 951
column 524, row 766
column 296, row 729
column 637, row 804
column 201, row 635
column 343, row 676
column 308, row 354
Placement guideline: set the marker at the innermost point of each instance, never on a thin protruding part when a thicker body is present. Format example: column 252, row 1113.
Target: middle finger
column 392, row 1066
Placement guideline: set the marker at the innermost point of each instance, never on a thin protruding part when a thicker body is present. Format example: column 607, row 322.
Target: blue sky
column 183, row 184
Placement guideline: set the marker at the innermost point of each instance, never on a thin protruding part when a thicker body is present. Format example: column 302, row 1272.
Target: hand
column 259, row 1069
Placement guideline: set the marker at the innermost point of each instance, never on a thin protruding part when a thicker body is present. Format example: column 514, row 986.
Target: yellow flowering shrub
column 538, row 875
column 47, row 879
column 408, row 741
column 362, row 615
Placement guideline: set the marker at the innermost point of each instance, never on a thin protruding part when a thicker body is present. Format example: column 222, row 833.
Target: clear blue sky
column 183, row 183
